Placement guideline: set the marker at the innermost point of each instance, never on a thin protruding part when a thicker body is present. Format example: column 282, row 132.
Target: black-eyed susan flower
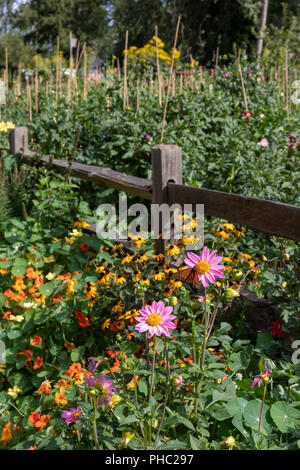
column 172, row 250
column 106, row 324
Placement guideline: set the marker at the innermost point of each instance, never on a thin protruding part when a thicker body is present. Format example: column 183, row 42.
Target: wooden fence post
column 166, row 167
column 18, row 140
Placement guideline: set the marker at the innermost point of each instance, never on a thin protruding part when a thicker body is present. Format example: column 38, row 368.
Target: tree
column 41, row 21
column 263, row 22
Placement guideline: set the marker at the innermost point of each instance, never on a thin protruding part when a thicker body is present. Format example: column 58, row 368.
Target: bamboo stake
column 125, row 99
column 181, row 83
column 36, row 85
column 169, row 81
column 119, row 70
column 47, row 90
column 84, row 72
column 29, row 102
column 138, row 94
column 57, row 69
column 158, row 68
column 242, row 81
column 286, row 80
column 6, row 69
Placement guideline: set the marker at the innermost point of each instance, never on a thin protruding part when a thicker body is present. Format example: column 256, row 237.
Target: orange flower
column 8, row 293
column 6, row 434
column 45, row 388
column 64, row 277
column 74, row 369
column 38, row 363
column 83, row 321
column 60, row 399
column 37, row 420
column 6, row 315
column 131, row 383
column 63, row 384
column 31, row 273
column 36, row 340
column 27, row 353
column 112, row 353
column 57, row 298
column 31, row 448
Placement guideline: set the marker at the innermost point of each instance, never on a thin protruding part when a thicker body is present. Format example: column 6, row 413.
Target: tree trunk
column 261, row 34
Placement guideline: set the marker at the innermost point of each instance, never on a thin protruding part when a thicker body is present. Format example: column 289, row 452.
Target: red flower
column 84, row 246
column 83, row 321
column 276, row 329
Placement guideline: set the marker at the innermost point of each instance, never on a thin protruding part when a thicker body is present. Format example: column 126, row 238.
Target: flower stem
column 95, row 426
column 167, row 395
column 152, row 373
column 261, row 409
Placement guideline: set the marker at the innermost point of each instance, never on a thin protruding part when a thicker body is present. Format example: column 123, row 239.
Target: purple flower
column 226, row 74
column 249, row 72
column 93, row 364
column 293, row 141
column 148, row 136
column 71, row 415
column 247, row 114
column 262, row 377
column 103, row 388
column 178, row 382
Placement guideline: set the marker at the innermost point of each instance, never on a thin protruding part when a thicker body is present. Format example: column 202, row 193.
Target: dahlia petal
column 193, row 257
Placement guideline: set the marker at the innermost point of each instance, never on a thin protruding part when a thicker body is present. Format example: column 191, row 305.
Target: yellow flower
column 51, row 259
column 159, row 276
column 143, row 258
column 71, row 240
column 172, row 250
column 75, row 233
column 117, row 308
column 50, row 276
column 81, row 224
column 229, row 226
column 106, row 324
column 230, row 441
column 120, row 280
column 127, row 259
column 14, row 392
column 70, row 286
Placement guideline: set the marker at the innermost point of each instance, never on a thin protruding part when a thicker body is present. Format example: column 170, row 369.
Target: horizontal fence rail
column 261, row 215
column 272, row 218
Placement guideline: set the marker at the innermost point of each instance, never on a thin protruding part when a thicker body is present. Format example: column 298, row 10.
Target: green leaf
column 47, row 289
column 77, row 353
column 285, row 416
column 195, row 443
column 252, row 413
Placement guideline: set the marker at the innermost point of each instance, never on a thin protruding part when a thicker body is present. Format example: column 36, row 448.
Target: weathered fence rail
column 273, row 218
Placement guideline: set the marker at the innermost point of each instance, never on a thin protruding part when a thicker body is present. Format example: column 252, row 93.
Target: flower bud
column 230, row 293
column 173, row 301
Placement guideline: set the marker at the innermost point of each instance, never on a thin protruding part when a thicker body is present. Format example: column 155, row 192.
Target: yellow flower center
column 202, row 267
column 153, row 319
column 76, row 413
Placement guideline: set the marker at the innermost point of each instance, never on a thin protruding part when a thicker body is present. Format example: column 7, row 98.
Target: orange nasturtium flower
column 60, row 398
column 38, row 363
column 37, row 420
column 45, row 387
column 6, row 434
column 36, row 340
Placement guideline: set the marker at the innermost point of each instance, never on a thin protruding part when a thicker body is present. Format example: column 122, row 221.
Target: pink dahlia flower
column 264, row 142
column 104, row 388
column 206, row 266
column 71, row 415
column 156, row 319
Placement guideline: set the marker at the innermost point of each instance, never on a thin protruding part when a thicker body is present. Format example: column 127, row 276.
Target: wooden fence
column 273, row 218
